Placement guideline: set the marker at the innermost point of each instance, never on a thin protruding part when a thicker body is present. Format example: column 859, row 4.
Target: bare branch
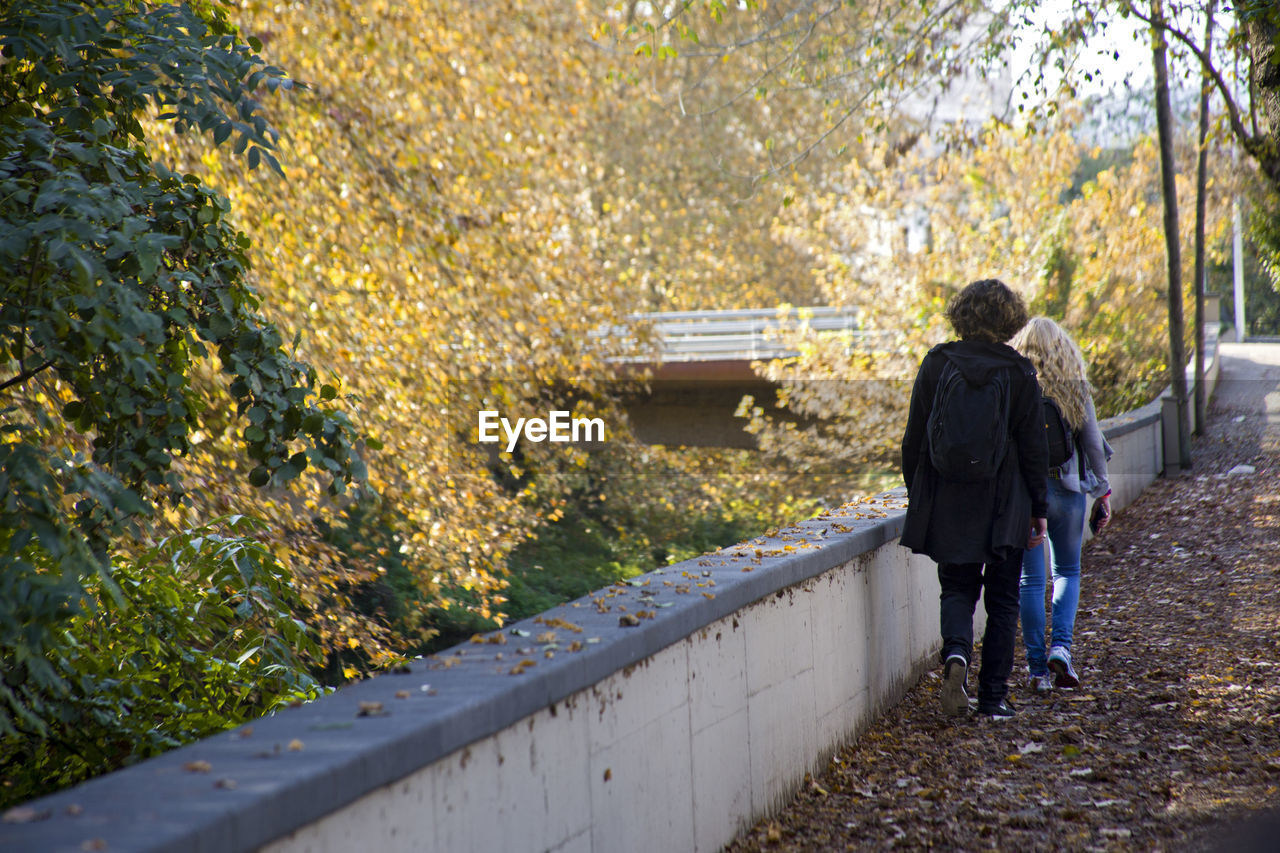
column 25, row 375
column 1206, row 64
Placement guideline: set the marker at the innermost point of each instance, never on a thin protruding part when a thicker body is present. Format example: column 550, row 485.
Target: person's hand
column 1105, row 518
column 1038, row 528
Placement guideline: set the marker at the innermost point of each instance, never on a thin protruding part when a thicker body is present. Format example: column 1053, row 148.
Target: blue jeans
column 1066, row 530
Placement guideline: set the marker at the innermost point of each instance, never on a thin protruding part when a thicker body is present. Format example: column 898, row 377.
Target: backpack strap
column 1075, row 439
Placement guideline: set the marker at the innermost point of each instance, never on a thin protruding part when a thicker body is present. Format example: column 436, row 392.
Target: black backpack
column 967, row 431
column 1062, row 440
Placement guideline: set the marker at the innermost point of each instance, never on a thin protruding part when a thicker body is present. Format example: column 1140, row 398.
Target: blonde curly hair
column 1059, row 366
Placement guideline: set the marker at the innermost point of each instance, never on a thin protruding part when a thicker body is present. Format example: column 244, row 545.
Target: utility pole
column 1237, row 268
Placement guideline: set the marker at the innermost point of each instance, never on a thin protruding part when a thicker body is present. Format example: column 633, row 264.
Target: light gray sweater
column 1096, row 453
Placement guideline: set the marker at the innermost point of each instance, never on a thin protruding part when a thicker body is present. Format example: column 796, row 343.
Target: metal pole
column 1237, row 263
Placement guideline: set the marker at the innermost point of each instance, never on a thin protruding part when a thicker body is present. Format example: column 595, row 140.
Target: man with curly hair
column 976, row 526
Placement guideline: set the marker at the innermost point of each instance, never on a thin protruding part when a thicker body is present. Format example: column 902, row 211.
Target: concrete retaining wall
column 682, row 750
column 573, row 731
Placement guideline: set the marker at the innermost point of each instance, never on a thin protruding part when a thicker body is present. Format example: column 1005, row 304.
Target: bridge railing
column 747, row 334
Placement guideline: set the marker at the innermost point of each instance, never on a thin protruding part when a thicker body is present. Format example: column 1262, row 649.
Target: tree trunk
column 1177, row 326
column 1262, row 32
column 1201, row 169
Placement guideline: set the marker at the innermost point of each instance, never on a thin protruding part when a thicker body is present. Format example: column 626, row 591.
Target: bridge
column 702, row 368
column 671, row 711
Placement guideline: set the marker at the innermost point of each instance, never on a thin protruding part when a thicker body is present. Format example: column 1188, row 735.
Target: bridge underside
column 692, row 404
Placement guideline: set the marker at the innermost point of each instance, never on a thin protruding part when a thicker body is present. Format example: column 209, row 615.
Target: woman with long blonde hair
column 1063, row 379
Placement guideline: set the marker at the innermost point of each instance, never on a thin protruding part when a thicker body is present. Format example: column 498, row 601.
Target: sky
column 1116, row 52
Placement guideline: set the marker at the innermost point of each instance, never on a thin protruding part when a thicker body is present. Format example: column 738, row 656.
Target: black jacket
column 981, row 522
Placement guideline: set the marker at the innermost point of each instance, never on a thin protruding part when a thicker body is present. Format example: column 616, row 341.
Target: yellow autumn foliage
column 435, row 243
column 471, row 191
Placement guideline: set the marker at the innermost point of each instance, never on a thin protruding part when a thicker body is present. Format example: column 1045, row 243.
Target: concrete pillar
column 1212, row 307
column 1169, row 435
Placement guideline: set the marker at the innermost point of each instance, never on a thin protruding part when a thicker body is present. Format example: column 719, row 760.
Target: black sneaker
column 955, row 699
column 999, row 712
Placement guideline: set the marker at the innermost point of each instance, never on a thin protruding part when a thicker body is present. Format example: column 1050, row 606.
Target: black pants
column 961, row 584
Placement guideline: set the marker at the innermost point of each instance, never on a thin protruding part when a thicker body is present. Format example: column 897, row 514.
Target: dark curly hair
column 987, row 310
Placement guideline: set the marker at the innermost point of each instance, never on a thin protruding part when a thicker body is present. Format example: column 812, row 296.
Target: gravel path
column 1172, row 741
